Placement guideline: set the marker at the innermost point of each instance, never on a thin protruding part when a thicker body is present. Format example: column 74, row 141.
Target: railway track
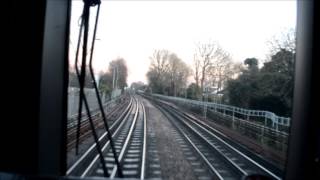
column 129, row 138
column 79, row 166
column 73, row 121
column 85, row 129
column 210, row 155
column 274, row 165
column 223, row 160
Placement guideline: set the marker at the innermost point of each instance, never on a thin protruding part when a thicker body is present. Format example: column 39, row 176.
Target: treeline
column 212, row 68
column 167, row 74
column 215, row 75
column 115, row 77
column 73, row 79
column 269, row 88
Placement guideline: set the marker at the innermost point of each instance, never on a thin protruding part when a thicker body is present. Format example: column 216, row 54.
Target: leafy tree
column 192, row 90
column 252, row 64
column 117, row 72
column 281, row 62
column 278, row 75
column 240, row 91
column 74, row 82
column 105, row 83
column 270, row 88
column 120, row 70
column 155, row 84
column 157, row 71
column 177, row 74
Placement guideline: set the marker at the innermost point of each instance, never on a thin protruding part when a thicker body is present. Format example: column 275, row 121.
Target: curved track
column 129, row 137
column 224, row 160
column 77, row 168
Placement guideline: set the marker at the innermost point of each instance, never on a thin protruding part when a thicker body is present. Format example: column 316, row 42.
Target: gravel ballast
column 173, row 164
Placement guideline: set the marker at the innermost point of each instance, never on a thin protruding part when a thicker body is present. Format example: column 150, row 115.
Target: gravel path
column 167, row 155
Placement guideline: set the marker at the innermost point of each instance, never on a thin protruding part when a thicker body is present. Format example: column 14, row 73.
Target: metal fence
column 263, row 119
column 265, row 127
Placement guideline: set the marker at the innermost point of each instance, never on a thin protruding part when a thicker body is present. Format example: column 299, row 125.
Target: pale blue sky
column 133, row 29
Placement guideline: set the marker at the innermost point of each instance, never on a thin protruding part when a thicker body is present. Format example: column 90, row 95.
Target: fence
column 264, row 126
column 270, row 120
column 73, row 100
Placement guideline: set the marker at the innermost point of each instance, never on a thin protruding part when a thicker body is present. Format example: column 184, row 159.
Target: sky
column 134, row 29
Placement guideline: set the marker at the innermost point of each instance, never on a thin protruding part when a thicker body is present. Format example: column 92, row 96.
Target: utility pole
column 113, row 78
column 205, row 100
column 117, row 76
column 186, row 93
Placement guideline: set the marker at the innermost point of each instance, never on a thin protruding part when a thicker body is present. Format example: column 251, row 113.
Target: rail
column 233, row 163
column 269, row 119
column 72, row 120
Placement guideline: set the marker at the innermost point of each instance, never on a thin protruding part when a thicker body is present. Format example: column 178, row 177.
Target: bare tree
column 157, row 70
column 119, row 66
column 223, row 70
column 167, row 72
column 283, row 41
column 207, row 55
column 159, row 61
column 197, row 70
column 196, row 62
column 178, row 73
